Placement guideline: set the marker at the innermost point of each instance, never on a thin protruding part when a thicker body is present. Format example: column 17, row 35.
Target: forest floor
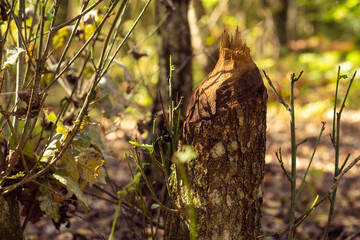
column 97, row 223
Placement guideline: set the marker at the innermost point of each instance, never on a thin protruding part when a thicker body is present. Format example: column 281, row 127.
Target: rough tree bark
column 226, row 125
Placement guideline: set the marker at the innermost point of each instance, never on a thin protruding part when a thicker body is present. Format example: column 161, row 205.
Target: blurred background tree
column 284, row 36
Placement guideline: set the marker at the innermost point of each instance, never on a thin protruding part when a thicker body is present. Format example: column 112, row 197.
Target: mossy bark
column 226, row 125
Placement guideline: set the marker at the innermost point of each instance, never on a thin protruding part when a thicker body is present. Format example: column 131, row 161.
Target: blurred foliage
column 323, row 37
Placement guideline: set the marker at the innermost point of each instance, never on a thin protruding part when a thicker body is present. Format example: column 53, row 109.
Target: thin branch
column 77, row 16
column 347, row 93
column 107, row 15
column 119, row 19
column 18, row 25
column 139, row 164
column 311, row 159
column 279, row 158
column 104, row 70
column 67, row 46
column 164, row 167
column 276, row 93
column 295, row 79
column 302, row 142
column 102, row 189
column 150, row 34
column 293, row 156
column 325, row 197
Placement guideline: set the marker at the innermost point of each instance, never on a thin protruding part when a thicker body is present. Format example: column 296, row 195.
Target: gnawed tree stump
column 226, row 125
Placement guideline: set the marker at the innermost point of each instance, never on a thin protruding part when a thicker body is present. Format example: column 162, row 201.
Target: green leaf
column 72, row 186
column 134, row 182
column 49, row 16
column 52, row 148
column 47, row 205
column 28, row 150
column 315, row 201
column 82, row 140
column 71, row 165
column 51, row 116
column 344, row 76
column 60, row 36
column 209, row 3
column 172, row 175
column 90, row 166
column 45, row 79
column 12, row 143
column 143, row 146
column 122, row 193
column 172, row 68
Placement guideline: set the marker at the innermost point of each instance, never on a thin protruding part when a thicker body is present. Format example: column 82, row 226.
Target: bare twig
column 107, row 15
column 293, row 155
column 336, row 143
column 325, row 197
column 139, row 164
column 279, row 158
column 164, row 168
column 105, row 68
column 276, row 93
column 68, row 22
column 311, row 159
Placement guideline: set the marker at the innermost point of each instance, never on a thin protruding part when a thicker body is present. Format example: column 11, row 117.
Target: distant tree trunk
column 291, row 20
column 174, row 39
column 205, row 56
column 280, row 12
column 226, row 125
column 280, row 19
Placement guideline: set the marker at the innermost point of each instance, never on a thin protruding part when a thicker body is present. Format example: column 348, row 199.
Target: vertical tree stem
column 20, row 63
column 293, row 159
column 171, row 97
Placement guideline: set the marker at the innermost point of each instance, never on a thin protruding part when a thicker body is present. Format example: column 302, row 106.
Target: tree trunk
column 174, row 40
column 226, row 125
column 280, row 19
column 10, row 228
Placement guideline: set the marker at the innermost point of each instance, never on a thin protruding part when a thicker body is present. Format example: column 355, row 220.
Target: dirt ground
column 97, row 223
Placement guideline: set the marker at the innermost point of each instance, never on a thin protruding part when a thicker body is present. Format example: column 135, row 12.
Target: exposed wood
column 226, row 125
